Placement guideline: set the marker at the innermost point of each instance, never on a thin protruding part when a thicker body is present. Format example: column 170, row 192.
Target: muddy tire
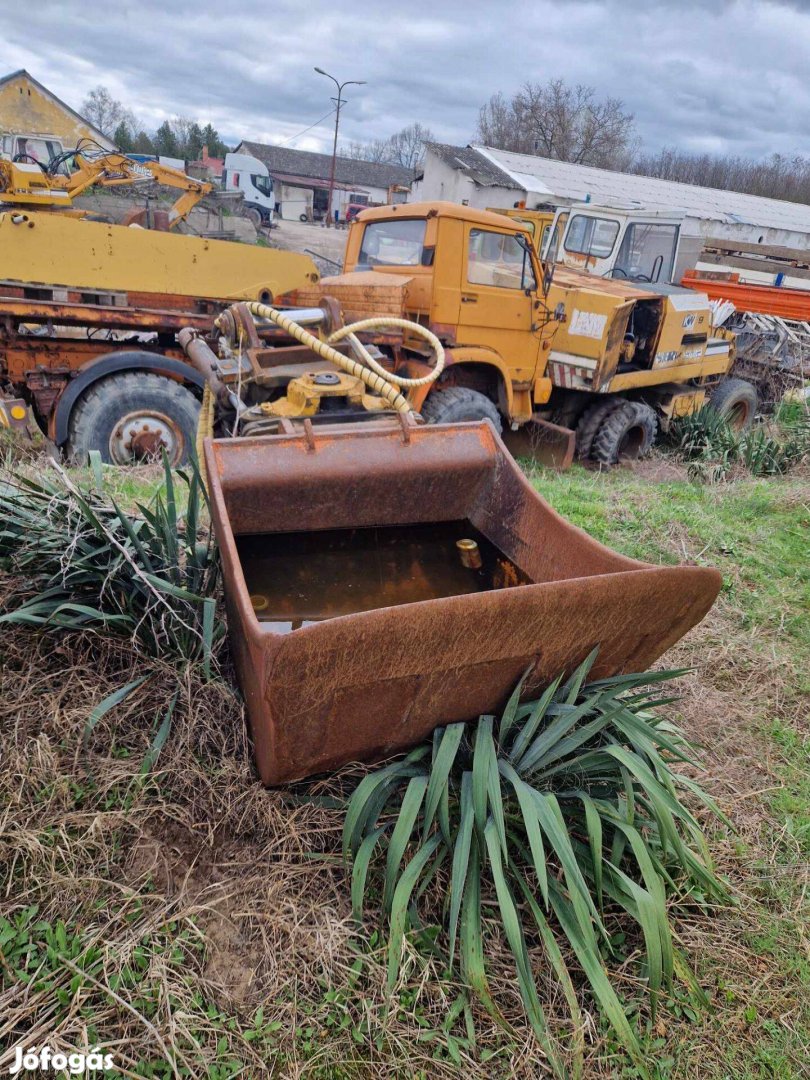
column 627, row 433
column 589, row 423
column 131, row 418
column 736, row 400
column 458, row 403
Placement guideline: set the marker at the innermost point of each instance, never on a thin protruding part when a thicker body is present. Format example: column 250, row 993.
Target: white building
column 301, row 181
column 481, row 176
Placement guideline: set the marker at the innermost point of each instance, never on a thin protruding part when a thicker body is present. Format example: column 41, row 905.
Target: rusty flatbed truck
column 89, row 313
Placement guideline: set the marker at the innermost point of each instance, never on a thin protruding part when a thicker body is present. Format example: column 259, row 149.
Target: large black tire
column 590, row 421
column 132, row 417
column 626, row 433
column 458, row 403
column 736, row 400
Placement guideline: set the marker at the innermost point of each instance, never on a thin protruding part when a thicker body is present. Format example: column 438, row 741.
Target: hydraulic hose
column 205, row 429
column 352, row 330
column 372, row 374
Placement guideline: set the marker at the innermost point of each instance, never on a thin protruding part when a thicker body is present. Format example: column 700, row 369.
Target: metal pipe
column 314, row 316
column 204, row 360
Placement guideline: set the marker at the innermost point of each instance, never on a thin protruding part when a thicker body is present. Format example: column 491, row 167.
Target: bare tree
column 560, row 121
column 106, row 113
column 407, row 147
column 377, row 150
column 776, row 177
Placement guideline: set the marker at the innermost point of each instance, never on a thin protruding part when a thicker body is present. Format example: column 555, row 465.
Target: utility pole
column 338, row 102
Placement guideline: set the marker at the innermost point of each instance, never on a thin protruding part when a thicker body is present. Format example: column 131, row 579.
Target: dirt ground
column 303, row 236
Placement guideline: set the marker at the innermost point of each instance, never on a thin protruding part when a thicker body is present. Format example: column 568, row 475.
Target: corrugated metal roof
column 283, row 159
column 576, row 182
column 465, row 158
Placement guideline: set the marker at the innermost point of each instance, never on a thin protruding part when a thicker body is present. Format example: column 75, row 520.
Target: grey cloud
column 698, row 74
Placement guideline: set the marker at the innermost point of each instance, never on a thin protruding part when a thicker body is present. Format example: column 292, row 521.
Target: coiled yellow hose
column 351, row 331
column 372, row 374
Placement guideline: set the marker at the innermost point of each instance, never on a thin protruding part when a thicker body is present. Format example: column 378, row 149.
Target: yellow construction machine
column 573, row 362
column 30, row 184
column 89, row 310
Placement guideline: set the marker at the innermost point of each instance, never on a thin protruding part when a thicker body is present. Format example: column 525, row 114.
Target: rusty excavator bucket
column 384, row 578
column 543, row 443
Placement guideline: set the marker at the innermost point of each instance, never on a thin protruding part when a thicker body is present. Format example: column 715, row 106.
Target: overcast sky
column 717, row 75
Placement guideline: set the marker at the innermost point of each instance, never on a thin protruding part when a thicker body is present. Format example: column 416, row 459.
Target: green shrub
column 83, row 563
column 714, row 449
column 558, row 818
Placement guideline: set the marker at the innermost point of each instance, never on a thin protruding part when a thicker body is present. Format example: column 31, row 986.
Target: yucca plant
column 85, row 564
column 713, row 448
column 559, row 818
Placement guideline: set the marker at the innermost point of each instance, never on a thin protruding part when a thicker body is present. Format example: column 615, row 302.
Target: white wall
column 295, row 201
column 441, row 181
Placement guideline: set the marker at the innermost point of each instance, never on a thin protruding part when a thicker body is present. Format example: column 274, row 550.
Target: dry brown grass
column 222, row 896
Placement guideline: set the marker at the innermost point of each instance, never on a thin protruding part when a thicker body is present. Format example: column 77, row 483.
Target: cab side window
column 591, row 236
column 498, row 259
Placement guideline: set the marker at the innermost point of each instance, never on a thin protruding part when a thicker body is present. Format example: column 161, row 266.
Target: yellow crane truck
column 596, row 365
column 89, row 311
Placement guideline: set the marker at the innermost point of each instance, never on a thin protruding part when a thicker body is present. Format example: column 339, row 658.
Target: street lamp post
column 338, row 102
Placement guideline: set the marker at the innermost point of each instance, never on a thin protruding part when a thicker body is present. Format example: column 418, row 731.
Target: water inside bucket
column 295, row 579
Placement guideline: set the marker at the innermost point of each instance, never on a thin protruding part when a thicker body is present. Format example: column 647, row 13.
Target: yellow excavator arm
column 29, row 184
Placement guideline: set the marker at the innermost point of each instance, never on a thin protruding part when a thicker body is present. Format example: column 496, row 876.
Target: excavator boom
column 30, row 184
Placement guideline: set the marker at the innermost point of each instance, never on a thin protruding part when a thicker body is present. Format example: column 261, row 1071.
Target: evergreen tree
column 165, row 141
column 143, row 144
column 211, row 139
column 194, row 142
column 123, row 138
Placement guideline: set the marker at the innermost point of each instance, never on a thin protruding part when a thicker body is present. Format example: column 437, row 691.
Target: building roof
column 467, row 159
column 578, row 183
column 22, row 73
column 303, row 163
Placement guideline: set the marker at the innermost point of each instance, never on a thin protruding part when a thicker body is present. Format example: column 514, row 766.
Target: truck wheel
column 736, row 400
column 458, row 403
column 589, row 423
column 254, row 216
column 626, row 433
column 131, row 418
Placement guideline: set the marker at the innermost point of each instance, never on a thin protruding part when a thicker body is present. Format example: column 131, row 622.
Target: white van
column 250, row 176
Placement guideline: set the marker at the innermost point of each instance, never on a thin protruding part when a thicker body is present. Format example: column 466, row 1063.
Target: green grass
column 757, row 533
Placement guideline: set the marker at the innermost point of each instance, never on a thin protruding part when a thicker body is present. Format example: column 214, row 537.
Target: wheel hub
column 142, row 436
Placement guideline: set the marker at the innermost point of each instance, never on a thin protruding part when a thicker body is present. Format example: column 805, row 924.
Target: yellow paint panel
column 53, row 249
column 25, row 109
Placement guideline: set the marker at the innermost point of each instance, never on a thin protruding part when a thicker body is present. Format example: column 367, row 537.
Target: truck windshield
column 264, row 184
column 392, row 243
